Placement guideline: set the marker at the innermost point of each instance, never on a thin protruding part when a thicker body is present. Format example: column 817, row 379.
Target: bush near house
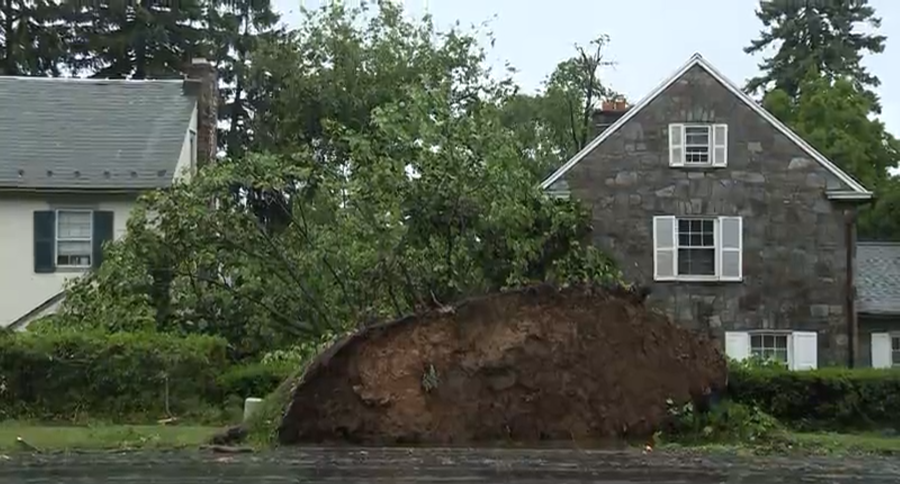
column 73, row 374
column 834, row 399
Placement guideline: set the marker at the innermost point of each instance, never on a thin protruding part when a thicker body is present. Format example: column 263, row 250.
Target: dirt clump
column 537, row 364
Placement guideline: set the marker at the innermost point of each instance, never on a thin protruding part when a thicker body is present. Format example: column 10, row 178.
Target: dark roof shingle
column 878, row 277
column 91, row 134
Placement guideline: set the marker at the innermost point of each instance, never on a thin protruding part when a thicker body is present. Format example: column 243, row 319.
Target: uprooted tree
column 375, row 198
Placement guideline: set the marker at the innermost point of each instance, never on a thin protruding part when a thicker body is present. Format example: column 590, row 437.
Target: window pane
column 895, row 343
column 74, row 225
column 769, row 341
column 706, row 226
column 755, row 341
column 781, row 355
column 895, row 358
column 684, row 239
column 781, row 341
column 684, row 225
column 73, row 248
column 697, row 262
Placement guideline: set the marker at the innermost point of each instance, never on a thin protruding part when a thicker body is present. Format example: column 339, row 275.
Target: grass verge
column 804, row 444
column 101, row 437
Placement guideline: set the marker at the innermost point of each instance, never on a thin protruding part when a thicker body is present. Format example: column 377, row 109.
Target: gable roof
column 91, row 133
column 878, row 277
column 857, row 191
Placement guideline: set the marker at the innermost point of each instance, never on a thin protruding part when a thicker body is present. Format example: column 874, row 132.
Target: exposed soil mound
column 536, row 364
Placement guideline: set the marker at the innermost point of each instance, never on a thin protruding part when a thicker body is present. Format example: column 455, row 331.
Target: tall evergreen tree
column 236, row 28
column 815, row 34
column 32, row 37
column 137, row 39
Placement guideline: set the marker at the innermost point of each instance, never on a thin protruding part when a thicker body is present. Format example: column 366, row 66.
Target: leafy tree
column 556, row 123
column 144, row 39
column 32, row 37
column 833, row 115
column 235, row 29
column 815, row 34
column 406, row 191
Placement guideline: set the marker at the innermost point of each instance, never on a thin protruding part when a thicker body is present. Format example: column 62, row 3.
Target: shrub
column 254, row 379
column 70, row 374
column 726, row 422
column 824, row 399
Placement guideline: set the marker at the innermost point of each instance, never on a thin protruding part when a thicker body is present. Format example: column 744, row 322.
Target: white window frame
column 788, row 354
column 714, row 249
column 716, row 145
column 57, row 239
column 709, row 145
column 738, row 346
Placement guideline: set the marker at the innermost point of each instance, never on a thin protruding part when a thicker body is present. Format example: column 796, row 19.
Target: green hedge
column 824, row 399
column 253, row 380
column 68, row 375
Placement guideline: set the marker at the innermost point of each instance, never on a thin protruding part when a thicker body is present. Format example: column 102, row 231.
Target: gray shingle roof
column 878, row 277
column 115, row 134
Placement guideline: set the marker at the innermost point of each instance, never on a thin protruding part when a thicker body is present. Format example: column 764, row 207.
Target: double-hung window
column 885, row 349
column 697, row 248
column 698, row 145
column 70, row 238
column 74, row 236
column 797, row 349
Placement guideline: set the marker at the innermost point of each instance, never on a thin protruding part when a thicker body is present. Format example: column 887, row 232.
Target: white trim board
column 856, row 192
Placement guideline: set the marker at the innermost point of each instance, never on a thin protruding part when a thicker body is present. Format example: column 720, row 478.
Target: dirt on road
column 539, row 364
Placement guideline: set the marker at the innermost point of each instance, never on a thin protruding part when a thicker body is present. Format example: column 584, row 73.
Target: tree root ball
column 538, row 364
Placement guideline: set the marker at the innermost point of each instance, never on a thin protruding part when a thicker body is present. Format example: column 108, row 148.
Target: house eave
column 842, row 195
column 73, row 190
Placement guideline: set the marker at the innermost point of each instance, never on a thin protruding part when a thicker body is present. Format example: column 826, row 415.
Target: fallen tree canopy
column 536, row 364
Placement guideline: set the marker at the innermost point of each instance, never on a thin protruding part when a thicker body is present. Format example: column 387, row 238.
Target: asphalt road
column 458, row 466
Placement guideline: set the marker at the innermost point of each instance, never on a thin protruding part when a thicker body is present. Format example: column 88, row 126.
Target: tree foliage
column 390, row 184
column 819, row 35
column 33, row 37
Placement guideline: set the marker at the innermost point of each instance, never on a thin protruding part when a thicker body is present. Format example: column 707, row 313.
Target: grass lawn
column 831, row 443
column 101, row 437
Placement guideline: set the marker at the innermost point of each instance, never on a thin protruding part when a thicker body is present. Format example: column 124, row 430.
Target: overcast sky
column 650, row 39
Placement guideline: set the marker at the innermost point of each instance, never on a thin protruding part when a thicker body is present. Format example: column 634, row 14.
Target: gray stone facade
column 794, row 256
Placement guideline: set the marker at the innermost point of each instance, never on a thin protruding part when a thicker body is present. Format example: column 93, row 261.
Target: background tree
column 235, row 29
column 144, row 39
column 397, row 183
column 815, row 34
column 33, row 37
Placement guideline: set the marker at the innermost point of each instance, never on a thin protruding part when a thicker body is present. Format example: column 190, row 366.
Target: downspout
column 850, row 216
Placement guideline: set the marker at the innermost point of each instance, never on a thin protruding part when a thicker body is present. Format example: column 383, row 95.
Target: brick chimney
column 202, row 81
column 610, row 111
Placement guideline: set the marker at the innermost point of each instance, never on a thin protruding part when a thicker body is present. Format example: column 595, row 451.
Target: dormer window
column 698, row 145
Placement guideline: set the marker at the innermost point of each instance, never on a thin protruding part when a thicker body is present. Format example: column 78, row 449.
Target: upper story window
column 697, row 249
column 70, row 238
column 700, row 145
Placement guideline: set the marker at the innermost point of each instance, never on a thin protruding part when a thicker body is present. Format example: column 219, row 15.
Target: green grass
column 834, row 443
column 101, row 437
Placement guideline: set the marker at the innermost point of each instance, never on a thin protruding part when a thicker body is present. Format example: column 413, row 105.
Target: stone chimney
column 610, row 111
column 202, row 81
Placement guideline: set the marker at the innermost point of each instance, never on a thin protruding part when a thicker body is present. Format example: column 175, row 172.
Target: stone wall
column 794, row 255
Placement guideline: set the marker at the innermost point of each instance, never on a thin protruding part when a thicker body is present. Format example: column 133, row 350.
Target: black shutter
column 103, row 232
column 44, row 240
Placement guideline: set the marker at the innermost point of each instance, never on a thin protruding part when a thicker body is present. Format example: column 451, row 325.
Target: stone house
column 76, row 154
column 740, row 228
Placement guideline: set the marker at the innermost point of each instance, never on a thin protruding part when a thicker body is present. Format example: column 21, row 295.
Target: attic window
column 696, row 145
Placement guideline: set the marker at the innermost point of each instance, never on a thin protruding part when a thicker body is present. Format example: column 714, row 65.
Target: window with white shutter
column 664, row 251
column 730, row 249
column 676, row 145
column 804, row 353
column 698, row 145
column 697, row 248
column 882, row 349
column 737, row 345
column 720, row 145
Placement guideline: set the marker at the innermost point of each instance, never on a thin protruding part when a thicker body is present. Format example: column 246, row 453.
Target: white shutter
column 737, row 345
column 804, row 350
column 676, row 145
column 720, row 145
column 881, row 350
column 731, row 246
column 665, row 253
